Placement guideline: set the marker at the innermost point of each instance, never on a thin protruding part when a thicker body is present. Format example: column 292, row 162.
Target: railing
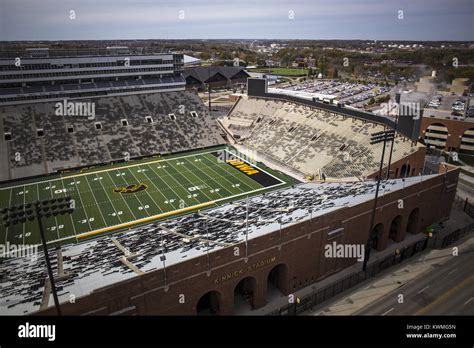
column 465, row 206
column 310, row 301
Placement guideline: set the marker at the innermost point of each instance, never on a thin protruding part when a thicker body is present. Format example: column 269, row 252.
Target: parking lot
column 354, row 94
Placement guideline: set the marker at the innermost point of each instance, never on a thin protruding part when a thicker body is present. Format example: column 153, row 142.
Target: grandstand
column 96, row 264
column 34, row 75
column 311, row 140
column 137, row 125
column 157, row 206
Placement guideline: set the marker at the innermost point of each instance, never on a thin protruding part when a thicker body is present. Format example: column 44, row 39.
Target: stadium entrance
column 244, row 294
column 376, row 235
column 209, row 304
column 396, row 229
column 277, row 282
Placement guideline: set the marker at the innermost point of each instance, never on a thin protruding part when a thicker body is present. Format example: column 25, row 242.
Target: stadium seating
column 95, row 263
column 148, row 130
column 310, row 140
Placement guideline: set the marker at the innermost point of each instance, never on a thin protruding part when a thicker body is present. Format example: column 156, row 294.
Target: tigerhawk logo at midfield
column 130, row 189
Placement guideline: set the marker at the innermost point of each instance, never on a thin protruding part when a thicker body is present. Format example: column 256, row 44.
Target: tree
column 205, row 55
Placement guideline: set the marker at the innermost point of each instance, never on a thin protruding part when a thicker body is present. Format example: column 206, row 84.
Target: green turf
column 183, row 181
column 283, row 71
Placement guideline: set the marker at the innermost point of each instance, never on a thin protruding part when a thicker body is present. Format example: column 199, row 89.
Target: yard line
column 82, row 203
column 55, row 218
column 131, row 211
column 70, row 215
column 9, row 205
column 143, row 205
column 233, row 174
column 24, row 224
column 110, row 200
column 171, row 188
column 136, row 197
column 96, row 202
column 112, row 227
column 204, row 181
column 144, row 170
column 117, row 168
column 172, row 177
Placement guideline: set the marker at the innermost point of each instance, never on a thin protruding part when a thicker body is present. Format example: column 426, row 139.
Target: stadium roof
column 188, row 60
column 203, row 73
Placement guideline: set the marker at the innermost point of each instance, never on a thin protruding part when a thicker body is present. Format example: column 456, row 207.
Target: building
column 283, row 259
column 42, row 74
column 191, row 61
column 459, row 86
column 447, row 133
column 216, row 76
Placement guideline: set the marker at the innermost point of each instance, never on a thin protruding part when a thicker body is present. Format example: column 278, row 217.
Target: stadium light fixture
column 39, row 210
column 395, row 133
column 163, row 257
column 376, row 138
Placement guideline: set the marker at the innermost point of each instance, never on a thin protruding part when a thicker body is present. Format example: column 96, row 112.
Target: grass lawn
column 283, row 71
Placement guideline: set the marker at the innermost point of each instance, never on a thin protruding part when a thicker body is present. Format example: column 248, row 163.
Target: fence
column 452, row 237
column 464, row 205
column 319, row 296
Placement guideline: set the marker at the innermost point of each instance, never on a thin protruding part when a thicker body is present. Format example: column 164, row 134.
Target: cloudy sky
column 250, row 19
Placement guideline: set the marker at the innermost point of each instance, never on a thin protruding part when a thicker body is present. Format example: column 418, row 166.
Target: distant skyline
column 243, row 19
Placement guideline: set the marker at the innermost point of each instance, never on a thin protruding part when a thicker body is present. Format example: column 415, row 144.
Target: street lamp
column 377, row 138
column 39, row 210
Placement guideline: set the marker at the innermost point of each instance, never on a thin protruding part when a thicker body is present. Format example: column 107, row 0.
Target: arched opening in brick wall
column 209, row 304
column 395, row 228
column 413, row 225
column 467, row 142
column 405, row 170
column 277, row 281
column 436, row 135
column 244, row 293
column 376, row 235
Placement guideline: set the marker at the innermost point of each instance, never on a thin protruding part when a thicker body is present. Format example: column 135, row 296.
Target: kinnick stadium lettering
column 240, row 271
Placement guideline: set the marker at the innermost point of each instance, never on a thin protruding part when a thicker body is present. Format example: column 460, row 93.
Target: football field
column 127, row 194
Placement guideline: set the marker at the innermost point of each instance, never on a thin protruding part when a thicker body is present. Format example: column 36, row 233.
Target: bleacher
column 309, row 140
column 94, row 264
column 149, row 130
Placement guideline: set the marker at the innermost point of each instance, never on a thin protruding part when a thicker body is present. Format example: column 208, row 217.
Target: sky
column 236, row 19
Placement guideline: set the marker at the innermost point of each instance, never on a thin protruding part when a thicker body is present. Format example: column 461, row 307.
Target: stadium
column 152, row 203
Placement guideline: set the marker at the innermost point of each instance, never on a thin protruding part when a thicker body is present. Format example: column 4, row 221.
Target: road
column 465, row 188
column 448, row 290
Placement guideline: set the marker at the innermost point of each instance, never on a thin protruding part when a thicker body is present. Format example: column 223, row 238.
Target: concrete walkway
column 458, row 219
column 379, row 288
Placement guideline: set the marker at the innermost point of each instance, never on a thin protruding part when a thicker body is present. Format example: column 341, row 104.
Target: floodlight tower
column 376, row 138
column 39, row 210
